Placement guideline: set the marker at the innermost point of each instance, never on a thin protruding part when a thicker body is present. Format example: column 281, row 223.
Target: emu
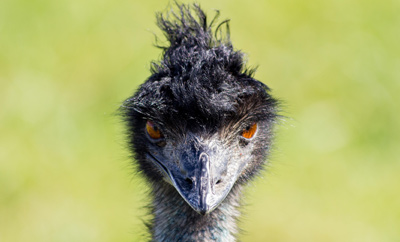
column 200, row 128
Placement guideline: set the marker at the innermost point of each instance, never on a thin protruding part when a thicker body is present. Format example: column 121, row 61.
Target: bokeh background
column 66, row 66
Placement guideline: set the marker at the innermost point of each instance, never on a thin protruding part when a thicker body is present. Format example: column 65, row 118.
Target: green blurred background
column 66, row 65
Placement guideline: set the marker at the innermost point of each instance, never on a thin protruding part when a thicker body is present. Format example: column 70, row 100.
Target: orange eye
column 249, row 132
column 153, row 130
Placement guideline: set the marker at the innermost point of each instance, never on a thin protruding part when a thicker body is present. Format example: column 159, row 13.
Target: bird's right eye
column 153, row 131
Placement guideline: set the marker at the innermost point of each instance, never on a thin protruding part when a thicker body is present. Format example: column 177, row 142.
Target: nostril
column 218, row 182
column 189, row 181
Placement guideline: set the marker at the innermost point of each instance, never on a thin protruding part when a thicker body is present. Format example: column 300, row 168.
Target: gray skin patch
column 202, row 170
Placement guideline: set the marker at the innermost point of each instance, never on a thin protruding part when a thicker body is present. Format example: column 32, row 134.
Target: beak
column 198, row 189
column 202, row 179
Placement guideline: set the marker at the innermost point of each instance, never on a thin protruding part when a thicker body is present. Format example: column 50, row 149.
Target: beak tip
column 203, row 212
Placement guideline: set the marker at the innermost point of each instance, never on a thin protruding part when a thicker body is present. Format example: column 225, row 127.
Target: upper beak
column 202, row 179
column 201, row 197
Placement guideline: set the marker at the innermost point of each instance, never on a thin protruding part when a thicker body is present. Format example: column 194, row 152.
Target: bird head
column 200, row 122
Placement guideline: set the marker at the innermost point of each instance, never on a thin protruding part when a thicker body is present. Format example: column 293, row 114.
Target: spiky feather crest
column 200, row 77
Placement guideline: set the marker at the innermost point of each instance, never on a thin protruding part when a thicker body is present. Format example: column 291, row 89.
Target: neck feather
column 175, row 220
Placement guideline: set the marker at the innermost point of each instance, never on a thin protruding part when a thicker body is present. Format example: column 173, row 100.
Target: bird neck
column 175, row 220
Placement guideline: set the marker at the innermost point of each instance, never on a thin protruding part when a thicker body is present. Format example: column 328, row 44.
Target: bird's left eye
column 249, row 131
column 153, row 131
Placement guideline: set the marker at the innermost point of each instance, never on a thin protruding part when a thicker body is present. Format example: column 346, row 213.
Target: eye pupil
column 249, row 131
column 153, row 131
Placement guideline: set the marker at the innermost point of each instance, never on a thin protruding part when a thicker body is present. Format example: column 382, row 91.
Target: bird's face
column 203, row 165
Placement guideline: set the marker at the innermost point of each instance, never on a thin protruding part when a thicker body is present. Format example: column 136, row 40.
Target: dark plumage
column 199, row 128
